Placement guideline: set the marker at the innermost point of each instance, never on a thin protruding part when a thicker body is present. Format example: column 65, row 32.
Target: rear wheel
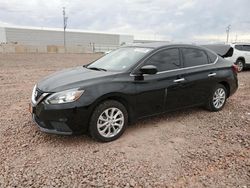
column 108, row 121
column 217, row 98
column 240, row 64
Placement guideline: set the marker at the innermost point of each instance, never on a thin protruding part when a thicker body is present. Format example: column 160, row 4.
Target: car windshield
column 119, row 60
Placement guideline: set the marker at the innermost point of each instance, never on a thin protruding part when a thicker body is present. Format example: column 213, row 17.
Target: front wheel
column 108, row 121
column 217, row 98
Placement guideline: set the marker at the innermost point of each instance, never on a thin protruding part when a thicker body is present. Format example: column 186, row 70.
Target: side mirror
column 148, row 69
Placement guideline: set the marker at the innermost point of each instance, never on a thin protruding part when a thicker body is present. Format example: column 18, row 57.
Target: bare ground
column 191, row 148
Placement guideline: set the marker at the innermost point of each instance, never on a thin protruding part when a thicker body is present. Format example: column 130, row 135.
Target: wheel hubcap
column 110, row 122
column 219, row 98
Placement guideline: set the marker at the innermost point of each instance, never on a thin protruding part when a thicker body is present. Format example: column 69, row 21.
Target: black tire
column 241, row 65
column 93, row 128
column 210, row 103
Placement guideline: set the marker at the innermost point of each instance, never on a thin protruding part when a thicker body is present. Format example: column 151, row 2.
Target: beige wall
column 17, row 48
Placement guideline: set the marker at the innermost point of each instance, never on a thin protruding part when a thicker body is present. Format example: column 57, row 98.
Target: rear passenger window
column 212, row 56
column 165, row 60
column 246, row 48
column 194, row 57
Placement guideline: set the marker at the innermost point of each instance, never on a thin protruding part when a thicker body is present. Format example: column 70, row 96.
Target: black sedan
column 130, row 83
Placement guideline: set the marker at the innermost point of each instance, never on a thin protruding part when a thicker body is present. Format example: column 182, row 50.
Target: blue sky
column 174, row 20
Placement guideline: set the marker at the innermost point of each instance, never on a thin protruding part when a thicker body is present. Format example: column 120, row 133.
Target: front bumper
column 61, row 119
column 58, row 128
column 247, row 65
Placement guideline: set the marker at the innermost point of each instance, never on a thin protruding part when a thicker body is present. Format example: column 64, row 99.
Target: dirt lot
column 191, row 148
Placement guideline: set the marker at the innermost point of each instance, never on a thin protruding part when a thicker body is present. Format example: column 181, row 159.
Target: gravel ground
column 191, row 148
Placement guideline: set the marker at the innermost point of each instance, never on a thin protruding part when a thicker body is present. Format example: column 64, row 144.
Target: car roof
column 240, row 43
column 156, row 45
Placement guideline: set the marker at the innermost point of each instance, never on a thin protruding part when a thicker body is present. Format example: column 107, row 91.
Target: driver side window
column 165, row 60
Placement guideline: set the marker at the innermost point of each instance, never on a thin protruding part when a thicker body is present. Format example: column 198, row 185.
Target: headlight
column 64, row 96
column 33, row 95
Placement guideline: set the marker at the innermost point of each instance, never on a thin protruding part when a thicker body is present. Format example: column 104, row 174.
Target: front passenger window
column 165, row 60
column 239, row 47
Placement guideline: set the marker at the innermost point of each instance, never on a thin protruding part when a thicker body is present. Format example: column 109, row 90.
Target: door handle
column 212, row 74
column 179, row 80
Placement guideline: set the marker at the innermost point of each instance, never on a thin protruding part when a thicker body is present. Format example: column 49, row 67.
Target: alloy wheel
column 110, row 122
column 240, row 66
column 219, row 98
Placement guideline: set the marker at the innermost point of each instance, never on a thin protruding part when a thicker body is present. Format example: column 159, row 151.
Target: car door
column 161, row 91
column 246, row 49
column 200, row 75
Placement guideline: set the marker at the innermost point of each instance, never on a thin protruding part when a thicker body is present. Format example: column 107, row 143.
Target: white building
column 47, row 37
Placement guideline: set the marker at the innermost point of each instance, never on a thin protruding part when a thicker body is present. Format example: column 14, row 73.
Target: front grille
column 38, row 94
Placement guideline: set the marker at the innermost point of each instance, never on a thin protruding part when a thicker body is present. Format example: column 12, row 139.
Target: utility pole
column 228, row 31
column 65, row 19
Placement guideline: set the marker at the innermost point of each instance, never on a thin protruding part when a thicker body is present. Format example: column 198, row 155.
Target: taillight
column 235, row 68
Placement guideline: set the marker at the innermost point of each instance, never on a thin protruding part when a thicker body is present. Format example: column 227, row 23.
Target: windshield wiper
column 96, row 68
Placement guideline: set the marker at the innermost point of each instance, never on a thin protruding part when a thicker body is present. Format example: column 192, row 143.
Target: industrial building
column 52, row 40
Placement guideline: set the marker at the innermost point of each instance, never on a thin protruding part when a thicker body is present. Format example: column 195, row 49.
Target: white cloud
column 179, row 20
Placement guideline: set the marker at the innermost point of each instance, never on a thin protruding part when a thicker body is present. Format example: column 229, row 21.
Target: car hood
column 72, row 78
